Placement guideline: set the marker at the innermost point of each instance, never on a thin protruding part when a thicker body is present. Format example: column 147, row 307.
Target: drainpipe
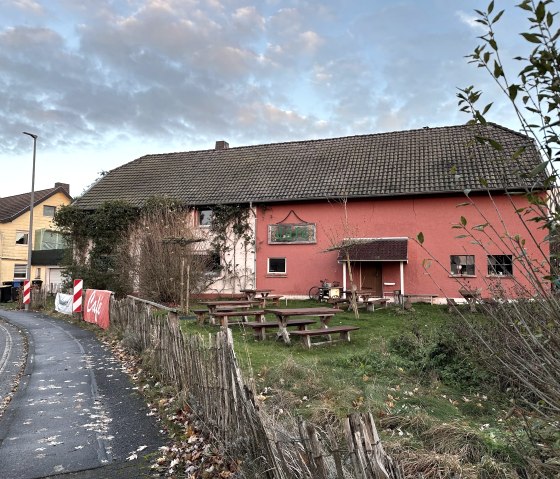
column 344, row 279
column 402, row 276
column 255, row 211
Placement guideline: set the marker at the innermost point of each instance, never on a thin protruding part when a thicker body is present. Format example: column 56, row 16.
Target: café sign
column 291, row 233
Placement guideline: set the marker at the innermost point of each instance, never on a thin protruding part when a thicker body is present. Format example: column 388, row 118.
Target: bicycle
column 323, row 292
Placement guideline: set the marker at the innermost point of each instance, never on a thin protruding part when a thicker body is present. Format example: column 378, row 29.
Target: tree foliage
column 521, row 339
column 95, row 237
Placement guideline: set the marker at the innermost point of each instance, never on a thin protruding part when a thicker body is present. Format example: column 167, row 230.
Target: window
column 22, row 237
column 47, row 239
column 500, row 265
column 49, row 210
column 20, row 271
column 277, row 265
column 205, row 217
column 462, row 265
column 212, row 263
column 38, row 273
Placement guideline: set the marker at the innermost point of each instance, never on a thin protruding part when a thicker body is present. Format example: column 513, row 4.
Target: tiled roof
column 13, row 206
column 424, row 161
column 374, row 249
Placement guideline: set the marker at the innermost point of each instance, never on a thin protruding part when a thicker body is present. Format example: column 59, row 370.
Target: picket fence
column 206, row 374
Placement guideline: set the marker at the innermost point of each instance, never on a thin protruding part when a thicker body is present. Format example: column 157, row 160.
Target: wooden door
column 371, row 278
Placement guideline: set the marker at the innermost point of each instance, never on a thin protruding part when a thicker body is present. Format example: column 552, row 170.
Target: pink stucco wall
column 406, row 217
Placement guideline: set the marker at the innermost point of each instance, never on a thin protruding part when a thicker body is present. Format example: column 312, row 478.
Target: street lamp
column 31, row 201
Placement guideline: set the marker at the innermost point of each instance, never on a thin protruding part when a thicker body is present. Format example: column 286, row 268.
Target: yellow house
column 47, row 244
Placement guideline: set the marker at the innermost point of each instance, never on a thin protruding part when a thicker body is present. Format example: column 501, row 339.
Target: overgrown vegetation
column 523, row 337
column 441, row 410
column 517, row 341
column 231, row 230
column 95, row 238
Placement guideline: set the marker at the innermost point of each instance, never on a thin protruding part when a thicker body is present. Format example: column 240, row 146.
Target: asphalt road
column 75, row 408
column 12, row 359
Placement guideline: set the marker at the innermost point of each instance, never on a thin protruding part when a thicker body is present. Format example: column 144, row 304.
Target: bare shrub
column 164, row 259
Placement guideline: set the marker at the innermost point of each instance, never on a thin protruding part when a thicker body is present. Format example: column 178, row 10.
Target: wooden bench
column 337, row 301
column 200, row 315
column 410, row 297
column 451, row 305
column 259, row 328
column 371, row 303
column 343, row 331
column 273, row 299
column 224, row 316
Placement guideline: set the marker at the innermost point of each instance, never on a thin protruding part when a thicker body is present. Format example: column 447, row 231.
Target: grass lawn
column 421, row 402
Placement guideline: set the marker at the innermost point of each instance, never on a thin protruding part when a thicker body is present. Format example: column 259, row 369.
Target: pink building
column 351, row 209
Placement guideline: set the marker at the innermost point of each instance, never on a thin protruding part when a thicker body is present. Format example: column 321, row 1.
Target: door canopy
column 373, row 249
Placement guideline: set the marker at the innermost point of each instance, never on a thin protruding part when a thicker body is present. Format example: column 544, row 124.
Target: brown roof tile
column 374, row 249
column 13, row 206
column 424, row 161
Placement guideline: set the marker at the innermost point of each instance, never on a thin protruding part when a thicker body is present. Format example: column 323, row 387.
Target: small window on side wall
column 20, row 271
column 22, row 237
column 49, row 210
column 500, row 265
column 462, row 265
column 205, row 217
column 277, row 265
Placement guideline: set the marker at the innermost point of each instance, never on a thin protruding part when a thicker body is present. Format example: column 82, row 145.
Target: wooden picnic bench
column 410, row 297
column 273, row 299
column 336, row 302
column 259, row 328
column 224, row 316
column 305, row 335
column 200, row 315
column 214, row 306
column 283, row 315
column 371, row 303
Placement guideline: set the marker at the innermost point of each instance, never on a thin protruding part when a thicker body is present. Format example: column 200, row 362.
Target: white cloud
column 469, row 19
column 156, row 75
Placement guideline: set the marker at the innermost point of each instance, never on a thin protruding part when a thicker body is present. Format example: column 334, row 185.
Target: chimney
column 222, row 145
column 64, row 186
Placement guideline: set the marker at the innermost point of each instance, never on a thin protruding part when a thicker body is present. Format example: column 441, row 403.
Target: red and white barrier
column 27, row 292
column 77, row 303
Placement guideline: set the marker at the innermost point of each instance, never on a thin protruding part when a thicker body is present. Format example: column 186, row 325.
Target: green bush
column 441, row 353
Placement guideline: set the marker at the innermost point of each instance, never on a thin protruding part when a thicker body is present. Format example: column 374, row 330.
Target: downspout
column 402, row 276
column 344, row 289
column 255, row 245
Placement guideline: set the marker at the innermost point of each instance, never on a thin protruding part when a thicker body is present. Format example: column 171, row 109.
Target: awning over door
column 374, row 249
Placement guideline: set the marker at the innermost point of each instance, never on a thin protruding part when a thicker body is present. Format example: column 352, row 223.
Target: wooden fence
column 207, row 375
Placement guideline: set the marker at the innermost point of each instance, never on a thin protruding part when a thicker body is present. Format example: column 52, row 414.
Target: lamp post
column 31, row 202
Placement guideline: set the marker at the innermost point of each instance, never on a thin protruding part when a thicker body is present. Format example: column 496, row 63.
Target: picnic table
column 213, row 306
column 251, row 294
column 283, row 315
column 370, row 299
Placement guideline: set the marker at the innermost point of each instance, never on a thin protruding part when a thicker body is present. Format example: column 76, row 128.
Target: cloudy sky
column 104, row 82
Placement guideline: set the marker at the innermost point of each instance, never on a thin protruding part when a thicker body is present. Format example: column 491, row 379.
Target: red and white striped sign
column 77, row 303
column 26, row 292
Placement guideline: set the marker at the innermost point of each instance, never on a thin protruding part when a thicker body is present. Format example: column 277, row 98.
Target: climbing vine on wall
column 231, row 228
column 95, row 236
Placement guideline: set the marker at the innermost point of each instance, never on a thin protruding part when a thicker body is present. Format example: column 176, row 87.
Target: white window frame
column 200, row 216
column 461, row 267
column 492, row 267
column 22, row 270
column 45, row 209
column 24, row 234
column 276, row 272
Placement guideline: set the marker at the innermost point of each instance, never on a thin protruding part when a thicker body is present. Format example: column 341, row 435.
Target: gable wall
column 10, row 252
